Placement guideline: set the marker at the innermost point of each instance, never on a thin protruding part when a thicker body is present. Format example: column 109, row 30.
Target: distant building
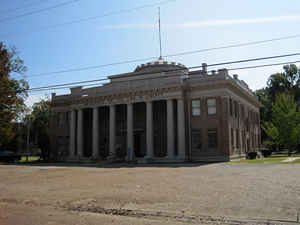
column 162, row 112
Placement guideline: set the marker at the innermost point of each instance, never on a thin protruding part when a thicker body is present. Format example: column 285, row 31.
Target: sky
column 49, row 38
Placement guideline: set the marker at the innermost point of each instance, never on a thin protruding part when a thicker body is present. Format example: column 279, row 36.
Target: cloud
column 208, row 23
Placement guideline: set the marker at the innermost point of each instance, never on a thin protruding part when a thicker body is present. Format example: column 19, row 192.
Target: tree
column 12, row 92
column 286, row 82
column 39, row 122
column 272, row 132
column 284, row 127
column 264, row 98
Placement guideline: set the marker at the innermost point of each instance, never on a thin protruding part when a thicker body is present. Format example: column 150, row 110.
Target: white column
column 80, row 133
column 95, row 132
column 149, row 129
column 112, row 130
column 170, row 128
column 72, row 134
column 130, row 130
column 181, row 129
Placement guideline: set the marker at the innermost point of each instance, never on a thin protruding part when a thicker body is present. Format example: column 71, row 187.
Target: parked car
column 8, row 156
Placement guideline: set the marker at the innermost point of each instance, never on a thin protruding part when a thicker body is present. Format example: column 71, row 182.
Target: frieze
column 118, row 98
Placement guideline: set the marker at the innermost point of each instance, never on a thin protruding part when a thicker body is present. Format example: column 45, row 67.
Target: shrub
column 251, row 155
column 266, row 153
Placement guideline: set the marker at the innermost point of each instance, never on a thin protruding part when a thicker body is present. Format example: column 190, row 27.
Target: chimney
column 204, row 67
column 223, row 72
column 76, row 90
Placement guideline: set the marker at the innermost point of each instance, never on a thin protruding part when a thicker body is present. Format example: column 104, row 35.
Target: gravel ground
column 158, row 194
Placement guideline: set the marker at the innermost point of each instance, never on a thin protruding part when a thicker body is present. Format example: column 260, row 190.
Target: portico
column 142, row 127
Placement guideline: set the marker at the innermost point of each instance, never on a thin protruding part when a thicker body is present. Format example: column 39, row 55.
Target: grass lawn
column 275, row 158
column 30, row 159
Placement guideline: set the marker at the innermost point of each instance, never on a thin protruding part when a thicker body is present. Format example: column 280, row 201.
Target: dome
column 159, row 66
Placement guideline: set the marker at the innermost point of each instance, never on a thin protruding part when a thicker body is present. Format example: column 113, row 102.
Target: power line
column 166, row 56
column 38, row 11
column 236, row 45
column 92, row 67
column 68, row 85
column 264, row 65
column 99, row 16
column 22, row 7
column 255, row 59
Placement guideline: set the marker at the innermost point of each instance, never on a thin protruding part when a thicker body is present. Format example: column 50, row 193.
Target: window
column 196, row 110
column 212, row 138
column 196, row 140
column 211, row 106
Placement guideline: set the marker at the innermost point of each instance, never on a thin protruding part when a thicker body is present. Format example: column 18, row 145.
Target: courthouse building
column 161, row 112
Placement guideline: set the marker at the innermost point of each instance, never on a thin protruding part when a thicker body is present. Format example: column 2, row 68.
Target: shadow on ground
column 104, row 164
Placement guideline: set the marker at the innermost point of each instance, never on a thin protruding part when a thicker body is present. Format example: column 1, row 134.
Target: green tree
column 273, row 134
column 285, row 82
column 39, row 123
column 12, row 92
column 284, row 127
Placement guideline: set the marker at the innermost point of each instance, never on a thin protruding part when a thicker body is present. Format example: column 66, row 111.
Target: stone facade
column 160, row 112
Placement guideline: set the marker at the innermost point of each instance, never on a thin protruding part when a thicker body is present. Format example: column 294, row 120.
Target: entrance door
column 137, row 144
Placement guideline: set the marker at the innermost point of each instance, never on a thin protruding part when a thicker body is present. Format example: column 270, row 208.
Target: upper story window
column 211, row 106
column 196, row 107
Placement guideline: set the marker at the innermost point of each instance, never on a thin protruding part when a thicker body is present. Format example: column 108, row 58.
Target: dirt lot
column 167, row 194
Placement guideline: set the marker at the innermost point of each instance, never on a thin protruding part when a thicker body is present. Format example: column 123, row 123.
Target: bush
column 251, row 155
column 266, row 153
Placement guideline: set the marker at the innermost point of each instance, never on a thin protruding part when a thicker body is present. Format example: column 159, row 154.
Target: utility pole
column 159, row 29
